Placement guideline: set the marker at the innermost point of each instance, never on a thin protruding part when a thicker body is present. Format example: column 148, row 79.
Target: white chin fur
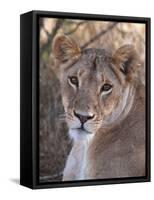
column 78, row 135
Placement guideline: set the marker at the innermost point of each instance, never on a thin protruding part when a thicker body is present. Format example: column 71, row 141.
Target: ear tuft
column 65, row 48
column 126, row 59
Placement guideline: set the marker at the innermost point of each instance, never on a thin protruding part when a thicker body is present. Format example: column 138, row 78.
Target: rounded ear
column 127, row 60
column 65, row 48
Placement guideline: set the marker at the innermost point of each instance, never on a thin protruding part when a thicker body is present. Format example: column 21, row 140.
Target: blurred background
column 54, row 141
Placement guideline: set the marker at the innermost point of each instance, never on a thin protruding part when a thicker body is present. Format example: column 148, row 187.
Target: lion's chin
column 80, row 134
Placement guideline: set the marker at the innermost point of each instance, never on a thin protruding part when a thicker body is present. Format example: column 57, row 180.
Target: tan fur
column 65, row 48
column 111, row 143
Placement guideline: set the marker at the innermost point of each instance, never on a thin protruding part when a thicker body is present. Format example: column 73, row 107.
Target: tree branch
column 103, row 32
column 74, row 29
column 47, row 45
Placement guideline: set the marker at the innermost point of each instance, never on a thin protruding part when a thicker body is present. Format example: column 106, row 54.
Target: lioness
column 104, row 103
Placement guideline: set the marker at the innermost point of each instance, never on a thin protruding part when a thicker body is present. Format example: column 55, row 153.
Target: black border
column 34, row 30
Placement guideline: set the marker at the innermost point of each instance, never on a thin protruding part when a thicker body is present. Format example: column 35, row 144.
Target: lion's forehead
column 93, row 55
column 94, row 59
column 94, row 51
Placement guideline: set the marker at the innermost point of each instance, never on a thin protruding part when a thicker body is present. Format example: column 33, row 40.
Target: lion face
column 97, row 87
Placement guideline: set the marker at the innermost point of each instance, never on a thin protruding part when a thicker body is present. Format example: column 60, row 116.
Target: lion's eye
column 73, row 80
column 106, row 88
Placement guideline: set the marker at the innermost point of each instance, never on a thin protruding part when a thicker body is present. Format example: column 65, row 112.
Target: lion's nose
column 82, row 117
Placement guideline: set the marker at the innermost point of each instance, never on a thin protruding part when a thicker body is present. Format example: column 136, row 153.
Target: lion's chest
column 77, row 162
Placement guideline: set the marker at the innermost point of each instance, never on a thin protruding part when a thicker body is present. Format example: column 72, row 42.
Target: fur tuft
column 127, row 61
column 65, row 48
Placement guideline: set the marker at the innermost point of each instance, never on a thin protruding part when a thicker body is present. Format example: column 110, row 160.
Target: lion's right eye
column 73, row 80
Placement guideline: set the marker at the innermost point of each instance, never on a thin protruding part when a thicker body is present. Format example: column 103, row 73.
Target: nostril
column 90, row 117
column 76, row 114
column 83, row 118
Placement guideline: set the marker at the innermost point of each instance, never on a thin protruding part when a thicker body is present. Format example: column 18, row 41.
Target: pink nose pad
column 83, row 118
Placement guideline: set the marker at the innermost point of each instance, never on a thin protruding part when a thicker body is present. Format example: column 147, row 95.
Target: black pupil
column 74, row 80
column 106, row 87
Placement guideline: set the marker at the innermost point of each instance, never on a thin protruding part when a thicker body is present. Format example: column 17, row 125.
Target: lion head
column 97, row 87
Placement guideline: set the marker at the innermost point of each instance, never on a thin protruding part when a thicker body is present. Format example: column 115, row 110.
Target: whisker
column 70, row 118
column 62, row 119
column 69, row 115
column 62, row 115
column 97, row 122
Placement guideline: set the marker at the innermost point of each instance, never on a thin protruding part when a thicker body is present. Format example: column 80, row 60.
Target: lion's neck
column 76, row 164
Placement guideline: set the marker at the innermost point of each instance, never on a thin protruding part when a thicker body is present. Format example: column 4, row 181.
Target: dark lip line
column 82, row 130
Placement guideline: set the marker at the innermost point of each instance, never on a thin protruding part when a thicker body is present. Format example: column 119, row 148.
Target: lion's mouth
column 82, row 130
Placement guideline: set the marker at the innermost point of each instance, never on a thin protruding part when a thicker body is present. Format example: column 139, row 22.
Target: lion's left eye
column 106, row 88
column 73, row 80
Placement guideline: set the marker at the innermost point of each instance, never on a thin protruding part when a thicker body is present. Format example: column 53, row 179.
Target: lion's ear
column 65, row 48
column 126, row 59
